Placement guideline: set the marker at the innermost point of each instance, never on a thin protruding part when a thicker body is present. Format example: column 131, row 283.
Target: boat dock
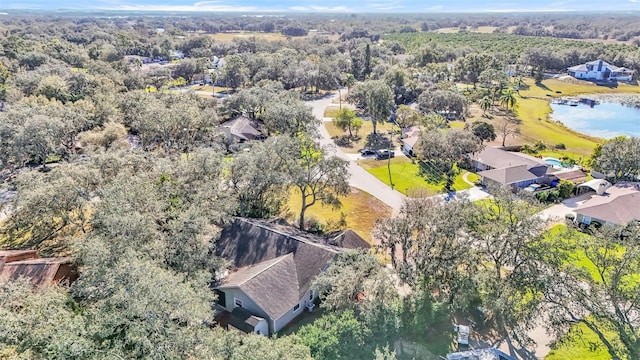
column 576, row 101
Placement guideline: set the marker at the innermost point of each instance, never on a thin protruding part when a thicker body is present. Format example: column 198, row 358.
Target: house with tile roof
column 272, row 267
column 618, row 205
column 600, row 70
column 511, row 169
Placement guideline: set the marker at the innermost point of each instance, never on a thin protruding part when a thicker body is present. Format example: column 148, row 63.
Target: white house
column 600, row 70
column 272, row 267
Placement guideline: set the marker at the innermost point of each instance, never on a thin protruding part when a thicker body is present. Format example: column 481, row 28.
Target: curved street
column 359, row 178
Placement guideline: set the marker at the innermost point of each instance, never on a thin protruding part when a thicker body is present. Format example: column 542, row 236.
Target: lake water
column 605, row 120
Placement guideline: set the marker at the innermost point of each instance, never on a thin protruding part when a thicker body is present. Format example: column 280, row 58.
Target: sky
column 334, row 6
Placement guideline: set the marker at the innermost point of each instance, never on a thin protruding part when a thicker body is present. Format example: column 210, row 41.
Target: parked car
column 367, row 152
column 384, row 154
column 463, row 334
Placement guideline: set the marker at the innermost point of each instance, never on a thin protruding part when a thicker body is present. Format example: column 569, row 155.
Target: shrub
column 313, row 225
column 565, row 189
column 560, row 146
column 539, row 146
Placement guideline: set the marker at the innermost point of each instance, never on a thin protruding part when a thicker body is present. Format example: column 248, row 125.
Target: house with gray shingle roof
column 272, row 267
column 618, row 205
column 506, row 168
column 241, row 129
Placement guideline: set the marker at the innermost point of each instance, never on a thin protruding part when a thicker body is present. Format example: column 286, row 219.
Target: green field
column 582, row 343
column 507, row 44
column 579, row 342
column 361, row 211
column 413, row 177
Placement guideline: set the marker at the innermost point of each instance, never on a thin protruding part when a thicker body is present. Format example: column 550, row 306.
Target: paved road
column 359, row 178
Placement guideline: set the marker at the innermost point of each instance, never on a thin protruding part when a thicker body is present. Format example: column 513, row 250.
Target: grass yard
column 574, row 240
column 331, row 111
column 458, row 124
column 580, row 343
column 367, row 128
column 535, row 112
column 411, row 178
column 552, row 86
column 361, row 211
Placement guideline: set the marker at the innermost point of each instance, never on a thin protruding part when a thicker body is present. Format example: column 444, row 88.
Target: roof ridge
column 294, row 237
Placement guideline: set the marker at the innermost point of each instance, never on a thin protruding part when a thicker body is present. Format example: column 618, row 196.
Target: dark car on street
column 384, row 154
column 367, row 152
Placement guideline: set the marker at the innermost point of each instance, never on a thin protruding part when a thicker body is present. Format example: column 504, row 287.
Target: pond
column 604, row 120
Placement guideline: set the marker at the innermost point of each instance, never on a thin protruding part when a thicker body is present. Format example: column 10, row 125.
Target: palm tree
column 485, row 104
column 508, row 98
column 518, row 84
column 349, row 81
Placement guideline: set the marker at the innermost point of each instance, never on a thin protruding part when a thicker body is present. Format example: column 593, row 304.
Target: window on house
column 237, row 302
column 295, row 308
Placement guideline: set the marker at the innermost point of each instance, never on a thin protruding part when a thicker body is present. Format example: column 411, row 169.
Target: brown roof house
column 271, row 269
column 15, row 264
column 618, row 205
column 506, row 168
column 410, row 137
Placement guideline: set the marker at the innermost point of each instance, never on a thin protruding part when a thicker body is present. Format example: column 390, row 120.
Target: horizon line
column 192, row 9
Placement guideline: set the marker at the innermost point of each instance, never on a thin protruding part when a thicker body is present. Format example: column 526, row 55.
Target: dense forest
column 110, row 155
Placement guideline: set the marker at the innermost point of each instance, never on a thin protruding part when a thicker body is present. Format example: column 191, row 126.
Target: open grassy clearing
column 412, row 178
column 361, row 211
column 367, row 128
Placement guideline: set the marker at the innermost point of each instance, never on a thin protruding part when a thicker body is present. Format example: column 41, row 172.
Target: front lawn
column 413, row 177
column 354, row 146
column 361, row 211
column 581, row 343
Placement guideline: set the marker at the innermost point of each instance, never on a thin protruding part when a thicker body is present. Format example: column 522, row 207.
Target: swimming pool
column 554, row 162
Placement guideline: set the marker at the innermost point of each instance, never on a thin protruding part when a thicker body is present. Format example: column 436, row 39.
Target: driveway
column 556, row 213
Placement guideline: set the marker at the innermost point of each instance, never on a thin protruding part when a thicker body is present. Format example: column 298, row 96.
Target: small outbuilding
column 597, row 185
